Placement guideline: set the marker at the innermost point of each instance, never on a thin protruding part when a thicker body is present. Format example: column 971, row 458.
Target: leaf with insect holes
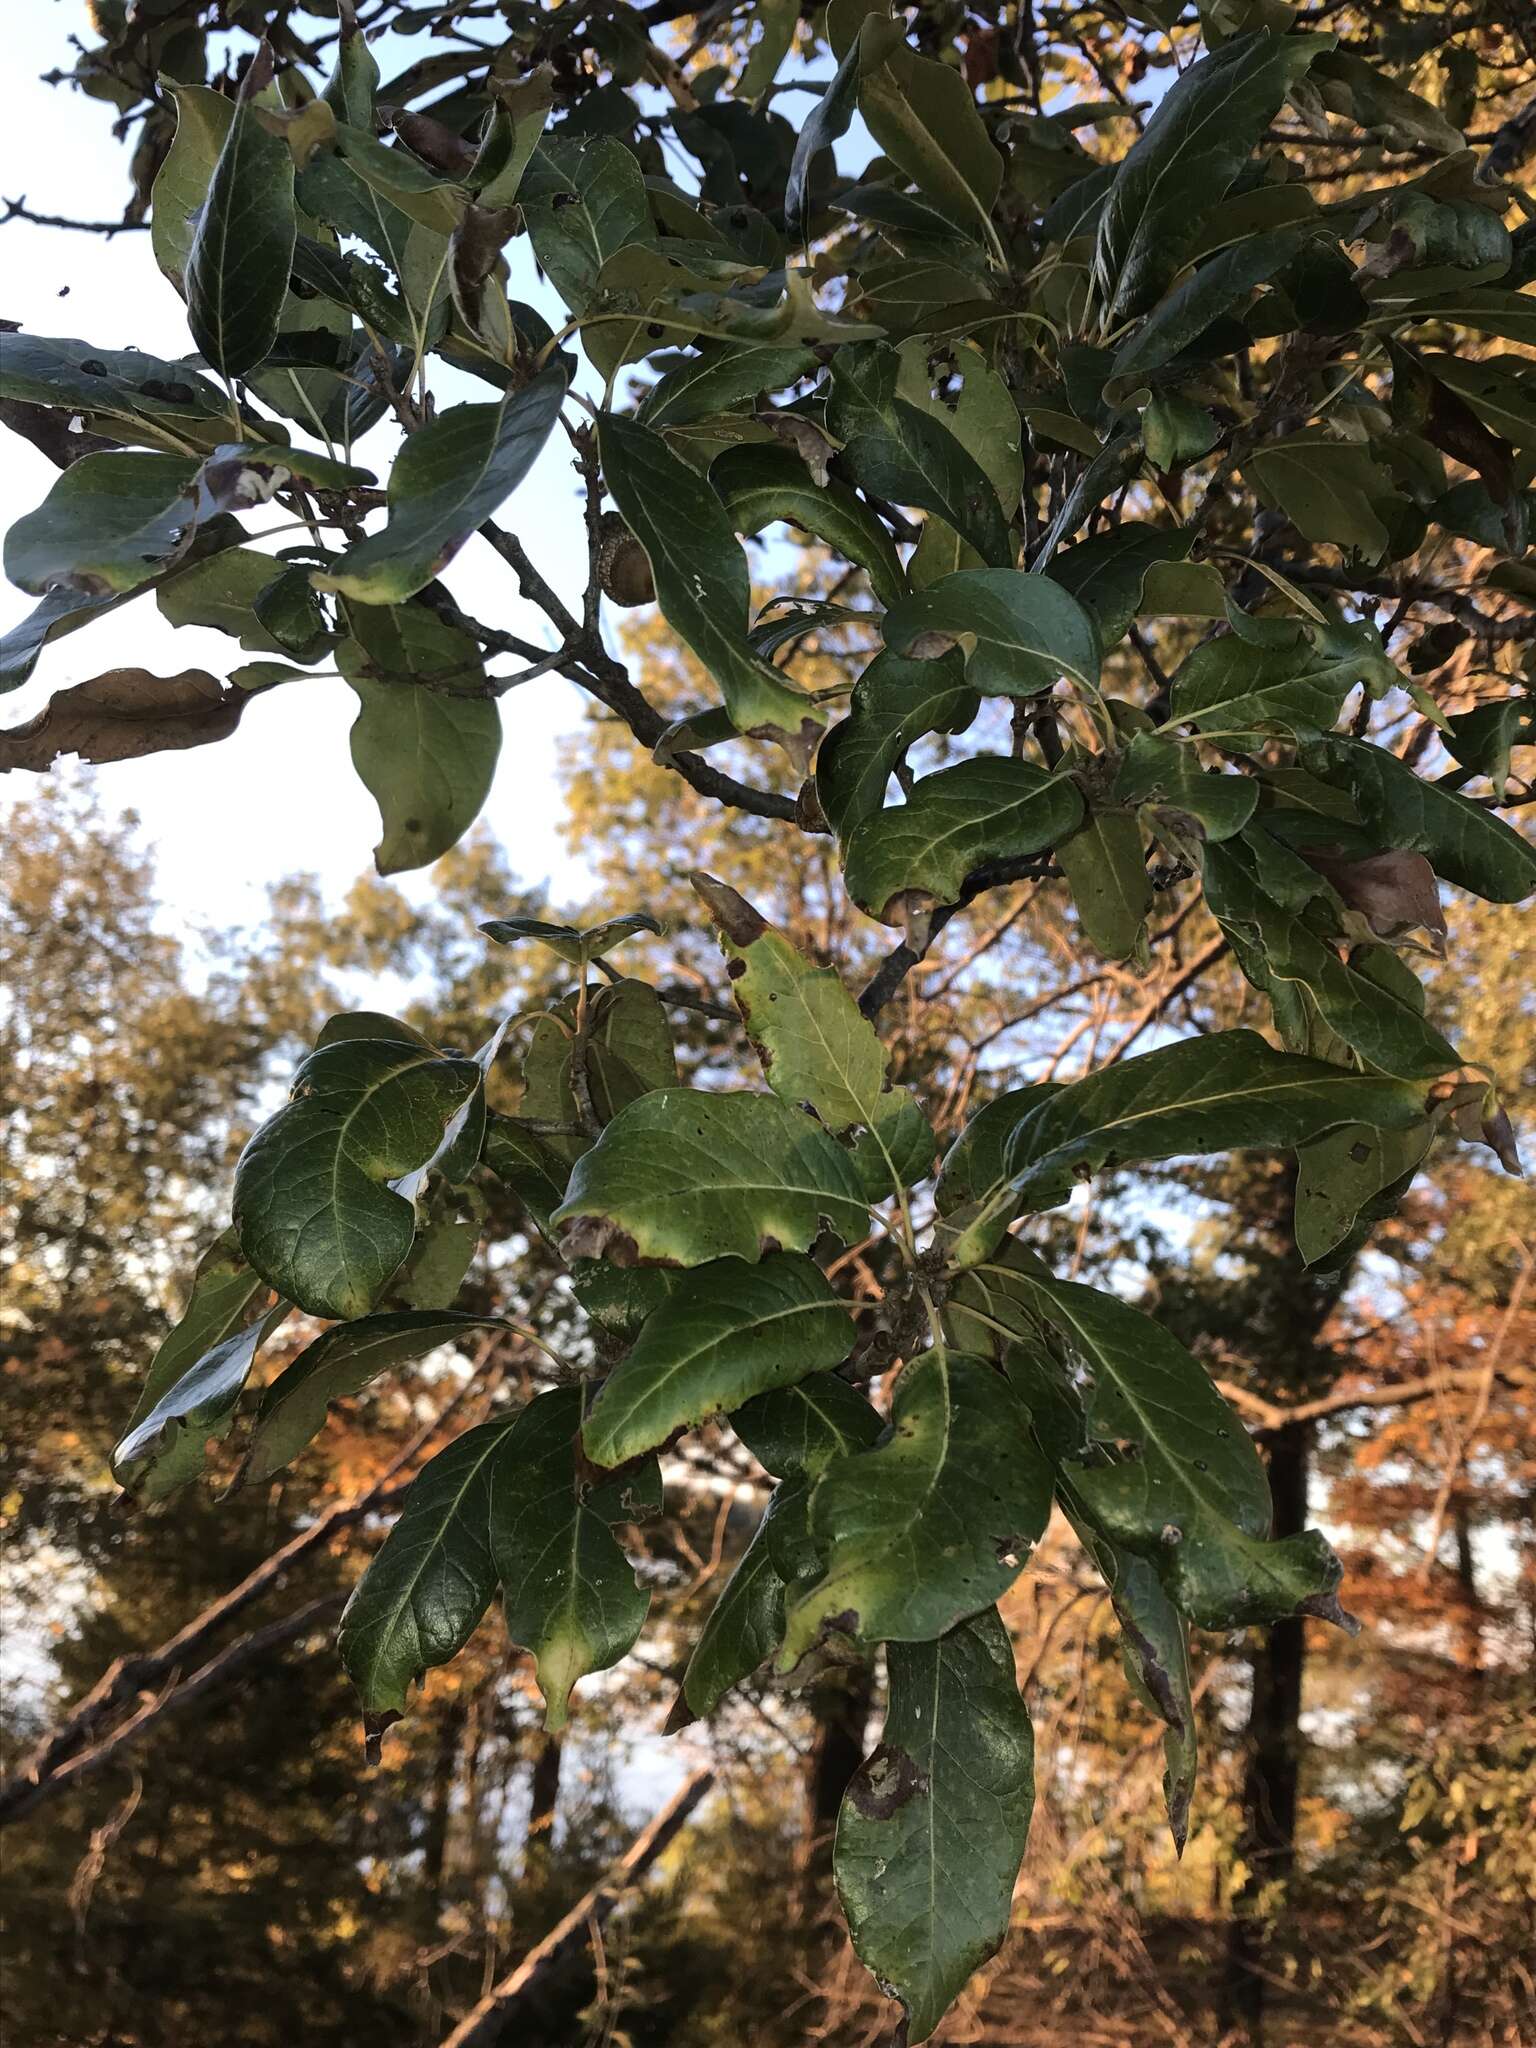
column 895, row 703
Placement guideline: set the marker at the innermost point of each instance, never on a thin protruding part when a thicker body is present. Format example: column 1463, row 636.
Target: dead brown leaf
column 123, row 715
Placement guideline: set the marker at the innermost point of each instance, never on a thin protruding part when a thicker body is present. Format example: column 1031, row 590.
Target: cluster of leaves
column 1039, row 402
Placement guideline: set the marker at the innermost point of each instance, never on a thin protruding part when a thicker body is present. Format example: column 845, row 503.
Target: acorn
column 623, row 568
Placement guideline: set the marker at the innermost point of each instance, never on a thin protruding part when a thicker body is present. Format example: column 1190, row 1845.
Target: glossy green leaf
column 825, row 124
column 1187, row 1488
column 718, row 378
column 164, row 1449
column 109, row 523
column 1328, row 489
column 242, row 252
column 224, row 1287
column 451, row 475
column 933, row 1825
column 903, row 862
column 428, row 1587
column 531, row 1167
column 726, row 1332
column 895, row 450
column 1021, row 633
column 1462, row 841
column 808, row 1034
column 895, row 703
column 799, row 1430
column 350, row 89
column 935, row 1522
column 120, row 393
column 1341, row 1176
column 1186, row 160
column 313, row 1208
column 571, row 942
column 1109, row 573
column 426, row 753
column 1106, row 870
column 337, row 1365
column 760, row 485
column 977, row 1162
column 702, row 582
column 223, row 592
column 922, row 115
column 1223, row 1092
column 684, row 1177
column 570, row 1595
column 584, row 199
column 1232, row 686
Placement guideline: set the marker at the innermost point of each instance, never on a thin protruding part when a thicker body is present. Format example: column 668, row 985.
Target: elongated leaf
column 108, row 524
column 701, row 578
column 224, row 1287
column 902, row 863
column 312, row 1206
column 727, row 1332
column 584, row 199
column 1107, row 873
column 570, row 942
column 164, row 1449
column 1227, row 1091
column 717, row 379
column 1186, row 160
column 895, row 702
column 934, row 1523
column 923, row 116
column 203, row 119
column 341, row 1363
column 1461, row 840
column 1500, row 390
column 806, row 1029
column 977, row 1162
column 761, row 485
column 570, row 1595
column 426, row 1591
column 426, row 753
column 933, row 1826
column 121, row 393
column 1188, row 1490
column 1329, row 490
column 1021, row 633
column 238, row 266
column 896, row 450
column 1341, row 1177
column 399, row 177
column 1186, row 314
column 629, row 1052
column 350, row 89
column 450, row 476
column 825, row 124
column 799, row 1430
column 683, row 1177
column 529, row 1166
column 1168, row 772
column 1233, row 686
column 746, row 1624
column 62, row 611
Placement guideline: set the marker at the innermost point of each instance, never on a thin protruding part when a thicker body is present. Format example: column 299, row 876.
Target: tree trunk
column 541, row 1810
column 842, row 1718
column 1272, row 1761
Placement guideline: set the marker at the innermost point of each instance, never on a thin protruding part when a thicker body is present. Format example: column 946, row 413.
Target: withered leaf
column 123, row 715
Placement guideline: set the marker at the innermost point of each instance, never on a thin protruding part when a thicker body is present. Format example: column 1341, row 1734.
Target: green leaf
column 584, row 199
column 570, row 942
column 108, row 524
column 349, row 91
column 531, row 1167
column 338, row 1364
column 570, row 1594
column 223, row 592
column 922, row 115
column 1328, row 489
column 399, row 178
column 977, row 1161
column 242, row 253
column 120, row 393
column 726, row 1332
column 746, row 1623
column 1223, row 1092
column 312, row 1208
column 1165, row 771
column 1368, row 96
column 424, row 1594
column 1106, row 871
column 164, row 1449
column 203, row 121
column 1186, row 1489
column 799, row 1430
column 629, row 1052
column 764, row 484
column 683, row 1177
column 895, row 703
column 933, row 1826
column 805, row 1028
column 62, row 611
column 718, row 378
column 450, row 476
column 1340, row 1177
column 826, row 122
column 224, row 1287
column 1187, row 313
column 1488, row 309
column 896, row 450
column 1186, row 160
column 1021, row 633
column 702, row 583
column 904, row 862
column 1233, row 686
column 426, row 754
column 935, row 1522
column 1109, row 573
column 1461, row 840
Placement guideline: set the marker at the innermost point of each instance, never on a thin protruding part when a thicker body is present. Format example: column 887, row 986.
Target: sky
column 279, row 797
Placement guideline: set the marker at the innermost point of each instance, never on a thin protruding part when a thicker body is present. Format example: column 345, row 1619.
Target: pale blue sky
column 280, row 795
